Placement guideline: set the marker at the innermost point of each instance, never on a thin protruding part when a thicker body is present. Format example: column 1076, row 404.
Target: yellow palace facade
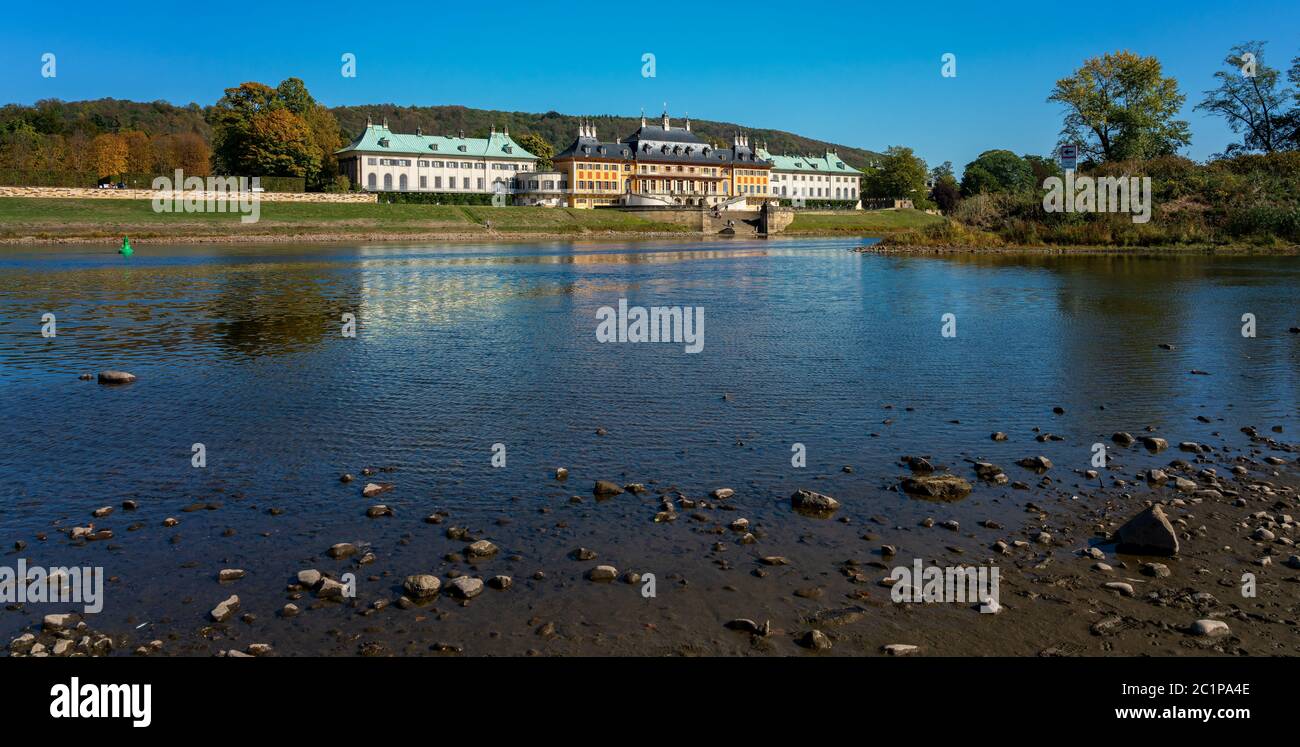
column 662, row 165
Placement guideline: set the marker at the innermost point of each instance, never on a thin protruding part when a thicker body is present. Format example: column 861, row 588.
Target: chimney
column 419, row 131
column 688, row 121
column 666, row 127
column 369, row 122
column 643, row 116
column 462, row 134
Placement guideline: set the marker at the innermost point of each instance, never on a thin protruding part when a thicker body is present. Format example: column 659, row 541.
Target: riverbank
column 575, row 576
column 67, row 221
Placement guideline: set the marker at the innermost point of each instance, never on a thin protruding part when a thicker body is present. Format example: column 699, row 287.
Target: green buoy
column 126, row 249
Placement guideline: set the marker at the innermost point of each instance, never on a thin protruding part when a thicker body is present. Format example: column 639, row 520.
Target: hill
column 560, row 129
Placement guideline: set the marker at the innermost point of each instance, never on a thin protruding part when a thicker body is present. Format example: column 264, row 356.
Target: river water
column 467, row 352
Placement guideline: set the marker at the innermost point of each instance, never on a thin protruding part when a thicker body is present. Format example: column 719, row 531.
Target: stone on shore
column 331, row 589
column 816, row 640
column 1210, row 628
column 937, row 487
column 481, row 549
column 606, row 489
column 116, row 377
column 900, row 649
column 1154, row 444
column 1035, row 462
column 1148, row 533
column 58, row 622
column 466, row 587
column 225, row 609
column 230, row 574
column 1123, row 438
column 309, row 578
column 602, row 573
column 722, row 494
column 342, row 550
column 422, row 586
column 806, row 501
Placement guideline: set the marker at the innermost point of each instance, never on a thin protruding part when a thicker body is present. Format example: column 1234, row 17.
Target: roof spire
column 643, row 116
column 688, row 121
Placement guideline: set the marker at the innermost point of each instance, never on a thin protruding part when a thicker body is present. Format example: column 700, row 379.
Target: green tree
column 540, row 147
column 1120, row 106
column 262, row 131
column 901, row 175
column 997, row 171
column 1248, row 96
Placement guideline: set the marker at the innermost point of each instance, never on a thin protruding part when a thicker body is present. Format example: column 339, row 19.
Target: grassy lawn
column 93, row 218
column 862, row 223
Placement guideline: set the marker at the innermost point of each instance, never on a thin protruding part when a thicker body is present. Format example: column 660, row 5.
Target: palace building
column 661, row 165
column 657, row 165
column 381, row 160
column 825, row 178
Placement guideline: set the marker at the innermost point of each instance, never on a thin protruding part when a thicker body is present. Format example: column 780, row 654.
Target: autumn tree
column 139, row 152
column 110, row 155
column 1120, row 106
column 187, row 151
column 283, row 131
column 280, row 144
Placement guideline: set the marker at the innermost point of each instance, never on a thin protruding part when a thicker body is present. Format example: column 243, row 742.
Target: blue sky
column 862, row 74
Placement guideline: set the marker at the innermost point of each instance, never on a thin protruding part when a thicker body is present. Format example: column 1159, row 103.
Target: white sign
column 1069, row 155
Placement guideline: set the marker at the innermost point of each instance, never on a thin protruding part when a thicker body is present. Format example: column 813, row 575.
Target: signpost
column 1069, row 156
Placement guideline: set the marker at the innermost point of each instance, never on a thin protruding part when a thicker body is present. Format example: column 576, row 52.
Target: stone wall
column 744, row 222
column 148, row 194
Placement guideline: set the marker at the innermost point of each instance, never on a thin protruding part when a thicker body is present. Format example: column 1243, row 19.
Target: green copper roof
column 830, row 163
column 380, row 139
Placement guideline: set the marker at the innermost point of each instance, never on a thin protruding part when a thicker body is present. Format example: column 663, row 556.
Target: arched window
column 370, row 180
column 402, row 182
column 388, row 182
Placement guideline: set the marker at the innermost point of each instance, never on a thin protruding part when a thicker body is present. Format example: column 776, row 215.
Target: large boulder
column 937, row 487
column 1148, row 533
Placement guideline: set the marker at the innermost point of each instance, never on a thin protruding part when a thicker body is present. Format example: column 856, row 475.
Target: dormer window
column 433, row 146
column 508, row 149
column 383, row 142
column 462, row 148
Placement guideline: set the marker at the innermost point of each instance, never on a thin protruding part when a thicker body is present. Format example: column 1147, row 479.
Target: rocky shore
column 1174, row 547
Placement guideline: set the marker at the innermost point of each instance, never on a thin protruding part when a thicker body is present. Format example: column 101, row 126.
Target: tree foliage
column 997, row 171
column 538, row 146
column 1121, row 106
column 1249, row 96
column 901, row 175
column 262, row 131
